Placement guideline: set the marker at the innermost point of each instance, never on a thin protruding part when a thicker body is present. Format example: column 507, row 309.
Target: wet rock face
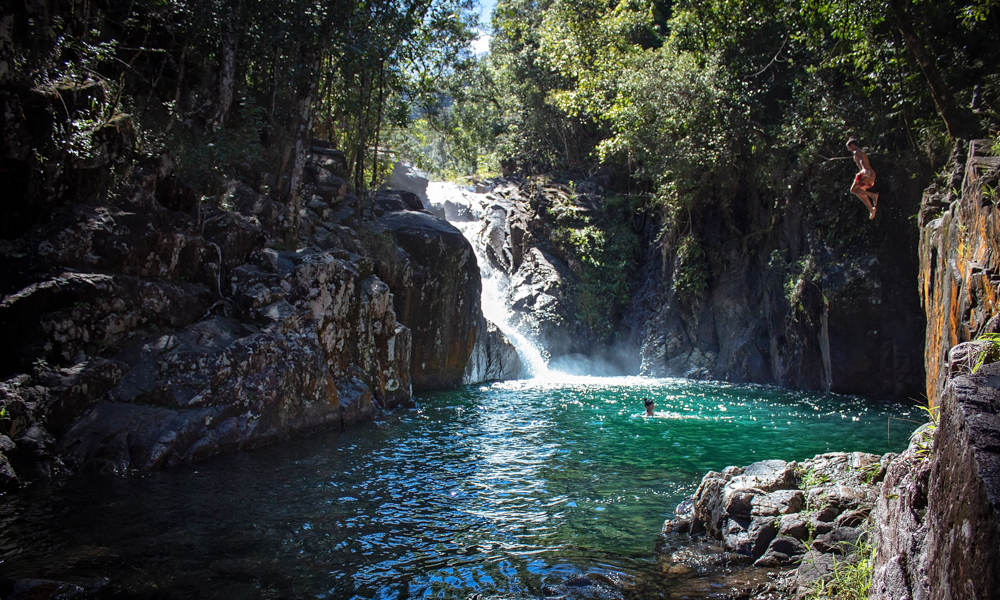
column 938, row 515
column 964, row 489
column 433, row 273
column 516, row 237
column 960, row 258
column 150, row 336
column 773, row 515
column 493, row 357
column 836, row 324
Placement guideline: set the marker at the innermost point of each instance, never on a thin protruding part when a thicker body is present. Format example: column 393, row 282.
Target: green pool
column 487, row 491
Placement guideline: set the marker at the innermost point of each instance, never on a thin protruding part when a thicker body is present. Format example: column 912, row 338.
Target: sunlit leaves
column 588, row 43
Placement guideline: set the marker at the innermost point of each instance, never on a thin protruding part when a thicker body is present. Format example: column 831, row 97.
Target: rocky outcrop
column 493, row 358
column 154, row 332
column 760, row 289
column 434, row 273
column 960, row 257
column 800, row 517
column 938, row 514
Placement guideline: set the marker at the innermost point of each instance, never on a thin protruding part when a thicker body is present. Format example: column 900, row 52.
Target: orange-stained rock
column 960, row 258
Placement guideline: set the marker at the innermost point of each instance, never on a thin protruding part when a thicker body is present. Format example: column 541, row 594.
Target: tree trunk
column 361, row 142
column 378, row 122
column 955, row 121
column 303, row 142
column 227, row 71
column 177, row 93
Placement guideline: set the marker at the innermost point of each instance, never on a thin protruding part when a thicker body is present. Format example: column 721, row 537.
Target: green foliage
column 811, row 478
column 851, row 578
column 691, row 270
column 870, row 473
column 587, row 43
column 800, row 274
column 602, row 252
column 699, row 102
column 236, row 89
column 678, row 127
column 990, row 352
column 454, row 139
column 926, row 441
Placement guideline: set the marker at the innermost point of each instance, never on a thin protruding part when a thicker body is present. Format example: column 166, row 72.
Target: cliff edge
column 960, row 257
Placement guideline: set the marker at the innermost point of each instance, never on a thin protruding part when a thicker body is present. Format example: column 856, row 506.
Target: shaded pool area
column 485, row 491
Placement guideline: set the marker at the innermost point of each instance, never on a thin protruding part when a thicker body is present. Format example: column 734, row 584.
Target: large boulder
column 493, row 358
column 433, row 273
column 938, row 515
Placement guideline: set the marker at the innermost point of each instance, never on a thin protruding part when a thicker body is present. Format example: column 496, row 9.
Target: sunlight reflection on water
column 492, row 490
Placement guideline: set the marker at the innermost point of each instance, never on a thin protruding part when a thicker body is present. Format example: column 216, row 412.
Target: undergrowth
column 849, row 579
column 990, row 352
column 926, row 441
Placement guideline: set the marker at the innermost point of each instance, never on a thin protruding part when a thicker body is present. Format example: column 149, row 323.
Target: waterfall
column 466, row 210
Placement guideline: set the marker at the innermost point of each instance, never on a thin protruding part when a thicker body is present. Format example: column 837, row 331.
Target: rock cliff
column 153, row 329
column 960, row 257
column 937, row 519
column 768, row 290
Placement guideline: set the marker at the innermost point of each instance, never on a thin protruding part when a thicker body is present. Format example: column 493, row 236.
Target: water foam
column 466, row 209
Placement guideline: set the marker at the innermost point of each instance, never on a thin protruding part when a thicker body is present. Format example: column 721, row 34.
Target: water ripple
column 486, row 491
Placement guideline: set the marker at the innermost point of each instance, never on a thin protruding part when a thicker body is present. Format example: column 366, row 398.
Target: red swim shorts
column 864, row 182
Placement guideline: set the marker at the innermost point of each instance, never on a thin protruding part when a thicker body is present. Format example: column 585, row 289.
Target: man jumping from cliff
column 865, row 179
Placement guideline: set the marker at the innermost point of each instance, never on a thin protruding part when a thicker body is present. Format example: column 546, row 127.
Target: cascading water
column 466, row 210
column 487, row 491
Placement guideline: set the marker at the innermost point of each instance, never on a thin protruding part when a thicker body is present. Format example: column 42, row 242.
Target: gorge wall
column 756, row 291
column 960, row 257
column 769, row 291
column 937, row 520
column 151, row 327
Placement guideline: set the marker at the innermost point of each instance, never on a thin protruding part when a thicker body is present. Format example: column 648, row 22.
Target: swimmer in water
column 648, row 403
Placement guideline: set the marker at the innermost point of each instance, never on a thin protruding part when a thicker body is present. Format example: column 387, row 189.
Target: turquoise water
column 481, row 492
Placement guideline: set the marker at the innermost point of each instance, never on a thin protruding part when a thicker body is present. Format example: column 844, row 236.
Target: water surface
column 485, row 491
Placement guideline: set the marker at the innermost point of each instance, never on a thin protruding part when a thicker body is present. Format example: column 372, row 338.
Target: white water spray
column 466, row 209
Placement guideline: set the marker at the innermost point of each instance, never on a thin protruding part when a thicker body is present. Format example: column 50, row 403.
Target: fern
column 848, row 580
column 990, row 351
